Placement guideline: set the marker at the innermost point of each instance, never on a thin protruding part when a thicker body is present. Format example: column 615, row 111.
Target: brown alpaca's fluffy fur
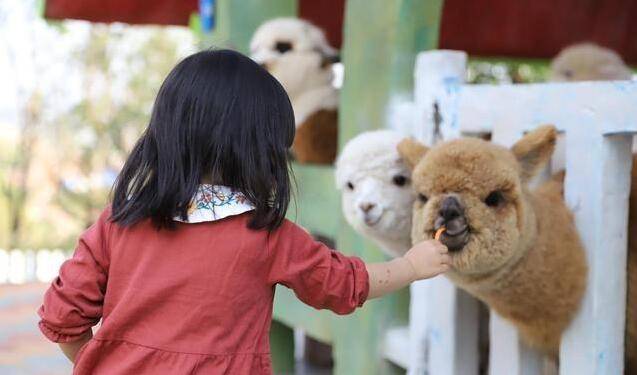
column 316, row 139
column 523, row 256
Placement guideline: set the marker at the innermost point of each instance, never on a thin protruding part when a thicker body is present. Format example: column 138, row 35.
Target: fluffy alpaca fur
column 376, row 190
column 299, row 56
column 517, row 250
column 588, row 62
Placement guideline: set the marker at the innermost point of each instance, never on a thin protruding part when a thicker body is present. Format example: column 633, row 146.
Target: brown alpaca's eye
column 283, row 47
column 350, row 185
column 494, row 199
column 422, row 198
column 399, row 180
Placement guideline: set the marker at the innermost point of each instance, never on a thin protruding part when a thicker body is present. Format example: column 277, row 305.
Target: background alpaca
column 516, row 250
column 376, row 189
column 588, row 62
column 299, row 56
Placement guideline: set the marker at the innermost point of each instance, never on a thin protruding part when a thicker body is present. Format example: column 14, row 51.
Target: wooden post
column 236, row 21
column 597, row 190
column 444, row 333
column 235, row 24
column 381, row 40
column 508, row 355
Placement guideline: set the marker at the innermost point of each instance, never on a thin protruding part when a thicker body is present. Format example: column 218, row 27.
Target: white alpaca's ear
column 534, row 150
column 411, row 151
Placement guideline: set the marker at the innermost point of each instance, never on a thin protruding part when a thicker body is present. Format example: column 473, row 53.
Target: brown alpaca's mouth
column 455, row 241
column 456, row 234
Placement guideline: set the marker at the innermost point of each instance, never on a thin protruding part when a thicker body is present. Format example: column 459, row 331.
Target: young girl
column 182, row 268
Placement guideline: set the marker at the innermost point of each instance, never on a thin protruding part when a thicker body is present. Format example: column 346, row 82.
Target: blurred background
column 74, row 96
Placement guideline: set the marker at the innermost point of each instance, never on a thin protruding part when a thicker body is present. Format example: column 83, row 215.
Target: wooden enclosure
column 598, row 121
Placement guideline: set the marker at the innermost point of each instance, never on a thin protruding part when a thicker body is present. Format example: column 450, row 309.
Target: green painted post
column 381, row 41
column 282, row 338
column 236, row 21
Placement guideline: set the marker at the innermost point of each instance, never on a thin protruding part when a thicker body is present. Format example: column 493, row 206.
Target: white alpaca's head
column 295, row 52
column 377, row 198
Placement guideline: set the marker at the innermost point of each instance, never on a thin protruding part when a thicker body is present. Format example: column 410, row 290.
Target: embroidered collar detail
column 215, row 202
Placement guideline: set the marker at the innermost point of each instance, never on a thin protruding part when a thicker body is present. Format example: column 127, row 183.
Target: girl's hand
column 424, row 260
column 428, row 259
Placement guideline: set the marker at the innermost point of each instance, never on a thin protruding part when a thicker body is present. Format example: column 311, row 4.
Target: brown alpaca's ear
column 534, row 150
column 411, row 151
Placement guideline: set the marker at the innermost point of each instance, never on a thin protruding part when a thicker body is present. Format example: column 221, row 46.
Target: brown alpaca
column 515, row 249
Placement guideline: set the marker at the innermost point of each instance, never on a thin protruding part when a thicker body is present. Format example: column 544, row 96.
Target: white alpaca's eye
column 283, row 47
column 399, row 180
column 350, row 185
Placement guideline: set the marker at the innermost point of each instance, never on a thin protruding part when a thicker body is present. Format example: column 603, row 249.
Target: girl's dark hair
column 218, row 114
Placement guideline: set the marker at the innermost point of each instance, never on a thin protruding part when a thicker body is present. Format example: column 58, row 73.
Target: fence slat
column 451, row 319
column 597, row 190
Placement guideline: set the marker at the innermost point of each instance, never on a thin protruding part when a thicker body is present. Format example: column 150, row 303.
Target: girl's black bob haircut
column 217, row 116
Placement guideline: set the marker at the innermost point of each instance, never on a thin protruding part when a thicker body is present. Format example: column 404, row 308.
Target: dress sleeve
column 73, row 302
column 319, row 276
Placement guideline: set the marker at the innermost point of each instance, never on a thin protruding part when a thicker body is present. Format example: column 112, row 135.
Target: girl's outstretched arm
column 425, row 260
column 70, row 349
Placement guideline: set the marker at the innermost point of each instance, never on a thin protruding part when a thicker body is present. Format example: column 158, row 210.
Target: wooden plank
column 507, row 353
column 597, row 190
column 379, row 57
column 317, row 205
column 450, row 325
column 608, row 106
column 396, row 346
column 379, row 50
column 292, row 312
column 452, row 333
column 282, row 338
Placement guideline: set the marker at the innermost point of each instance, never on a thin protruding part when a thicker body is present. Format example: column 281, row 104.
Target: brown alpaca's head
column 476, row 190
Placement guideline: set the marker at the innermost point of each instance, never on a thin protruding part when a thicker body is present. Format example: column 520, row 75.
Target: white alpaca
column 376, row 189
column 299, row 56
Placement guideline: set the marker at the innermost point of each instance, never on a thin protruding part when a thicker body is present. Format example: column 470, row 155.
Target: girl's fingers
column 445, row 259
column 443, row 249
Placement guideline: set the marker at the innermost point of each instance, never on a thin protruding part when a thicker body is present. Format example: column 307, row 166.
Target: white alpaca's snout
column 368, row 204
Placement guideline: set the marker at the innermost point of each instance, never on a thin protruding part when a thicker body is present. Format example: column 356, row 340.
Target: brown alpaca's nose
column 450, row 209
column 366, row 207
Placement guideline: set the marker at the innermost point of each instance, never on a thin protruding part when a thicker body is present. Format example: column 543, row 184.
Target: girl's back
column 195, row 298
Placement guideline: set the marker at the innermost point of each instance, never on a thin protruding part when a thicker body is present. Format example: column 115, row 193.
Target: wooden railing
column 598, row 121
column 25, row 266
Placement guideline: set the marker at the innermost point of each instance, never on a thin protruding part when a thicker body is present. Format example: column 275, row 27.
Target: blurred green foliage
column 82, row 148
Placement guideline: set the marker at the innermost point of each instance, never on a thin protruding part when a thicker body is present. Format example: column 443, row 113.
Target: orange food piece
column 439, row 233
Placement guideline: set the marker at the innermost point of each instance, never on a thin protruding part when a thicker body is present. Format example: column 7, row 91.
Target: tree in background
column 75, row 96
column 119, row 88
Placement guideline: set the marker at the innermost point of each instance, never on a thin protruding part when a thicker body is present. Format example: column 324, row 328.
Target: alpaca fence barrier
column 597, row 121
column 25, row 266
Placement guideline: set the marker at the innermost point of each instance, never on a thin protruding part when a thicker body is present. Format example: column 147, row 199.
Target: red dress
column 195, row 300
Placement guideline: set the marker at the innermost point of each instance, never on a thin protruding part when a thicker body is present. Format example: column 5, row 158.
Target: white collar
column 215, row 202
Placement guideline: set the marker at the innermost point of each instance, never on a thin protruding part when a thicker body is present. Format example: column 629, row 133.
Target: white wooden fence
column 23, row 266
column 598, row 120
